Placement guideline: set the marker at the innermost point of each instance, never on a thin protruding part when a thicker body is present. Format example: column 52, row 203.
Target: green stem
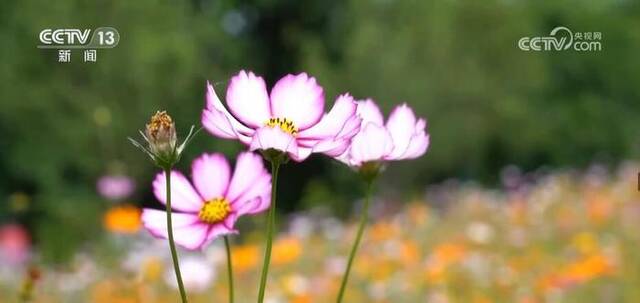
column 172, row 245
column 271, row 221
column 354, row 248
column 229, row 268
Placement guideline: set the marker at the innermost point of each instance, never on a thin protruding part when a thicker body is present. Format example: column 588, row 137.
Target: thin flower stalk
column 354, row 249
column 172, row 245
column 229, row 268
column 271, row 222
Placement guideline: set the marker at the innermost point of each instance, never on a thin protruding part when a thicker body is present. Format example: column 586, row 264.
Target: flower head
column 289, row 120
column 161, row 132
column 402, row 137
column 210, row 207
column 15, row 244
column 114, row 187
column 123, row 219
column 162, row 141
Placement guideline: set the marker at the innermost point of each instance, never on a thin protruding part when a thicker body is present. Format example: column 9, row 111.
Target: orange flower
column 382, row 231
column 578, row 272
column 123, row 219
column 589, row 268
column 599, row 208
column 302, row 299
column 449, row 253
column 245, row 257
column 443, row 256
column 418, row 213
column 286, row 250
column 409, row 253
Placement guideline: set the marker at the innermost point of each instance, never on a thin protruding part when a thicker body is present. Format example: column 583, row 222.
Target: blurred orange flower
column 599, row 208
column 578, row 272
column 382, row 231
column 589, row 268
column 123, row 219
column 409, row 253
column 245, row 257
column 443, row 256
column 286, row 250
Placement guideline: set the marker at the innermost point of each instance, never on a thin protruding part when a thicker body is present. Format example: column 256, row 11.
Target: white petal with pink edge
column 332, row 123
column 401, row 125
column 369, row 111
column 219, row 122
column 267, row 138
column 184, row 196
column 211, row 173
column 248, row 99
column 249, row 169
column 298, row 98
column 249, row 201
column 373, row 143
column 188, row 231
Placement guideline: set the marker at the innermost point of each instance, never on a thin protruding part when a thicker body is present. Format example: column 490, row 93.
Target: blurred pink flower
column 291, row 119
column 115, row 187
column 211, row 208
column 402, row 137
column 15, row 244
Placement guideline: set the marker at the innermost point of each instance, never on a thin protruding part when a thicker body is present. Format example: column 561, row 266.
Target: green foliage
column 488, row 104
column 63, row 125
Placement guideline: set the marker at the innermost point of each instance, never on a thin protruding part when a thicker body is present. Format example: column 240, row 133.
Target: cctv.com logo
column 561, row 39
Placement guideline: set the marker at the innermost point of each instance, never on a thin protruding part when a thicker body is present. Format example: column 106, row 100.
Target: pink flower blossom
column 15, row 244
column 115, row 187
column 402, row 137
column 291, row 119
column 211, row 206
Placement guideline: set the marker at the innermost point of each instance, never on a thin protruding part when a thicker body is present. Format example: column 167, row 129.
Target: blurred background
column 494, row 112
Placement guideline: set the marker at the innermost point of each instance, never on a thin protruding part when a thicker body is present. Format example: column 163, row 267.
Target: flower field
column 562, row 237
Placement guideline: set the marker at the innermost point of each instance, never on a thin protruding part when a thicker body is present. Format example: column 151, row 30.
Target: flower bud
column 161, row 134
column 162, row 142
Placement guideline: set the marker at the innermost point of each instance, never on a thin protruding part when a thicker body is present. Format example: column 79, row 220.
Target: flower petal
column 298, row 98
column 332, row 147
column 417, row 147
column 219, row 122
column 274, row 138
column 184, row 197
column 401, row 125
column 302, row 154
column 333, row 122
column 248, row 99
column 249, row 169
column 188, row 231
column 369, row 111
column 419, row 142
column 255, row 198
column 211, row 174
column 373, row 143
column 218, row 230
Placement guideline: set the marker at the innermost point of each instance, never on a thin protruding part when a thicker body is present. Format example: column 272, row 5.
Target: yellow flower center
column 214, row 211
column 285, row 125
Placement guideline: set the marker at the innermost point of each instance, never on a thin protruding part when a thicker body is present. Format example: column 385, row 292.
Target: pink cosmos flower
column 211, row 208
column 402, row 137
column 15, row 244
column 114, row 187
column 291, row 119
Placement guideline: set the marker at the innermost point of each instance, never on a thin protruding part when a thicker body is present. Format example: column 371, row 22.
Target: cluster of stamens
column 285, row 124
column 214, row 211
column 160, row 122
